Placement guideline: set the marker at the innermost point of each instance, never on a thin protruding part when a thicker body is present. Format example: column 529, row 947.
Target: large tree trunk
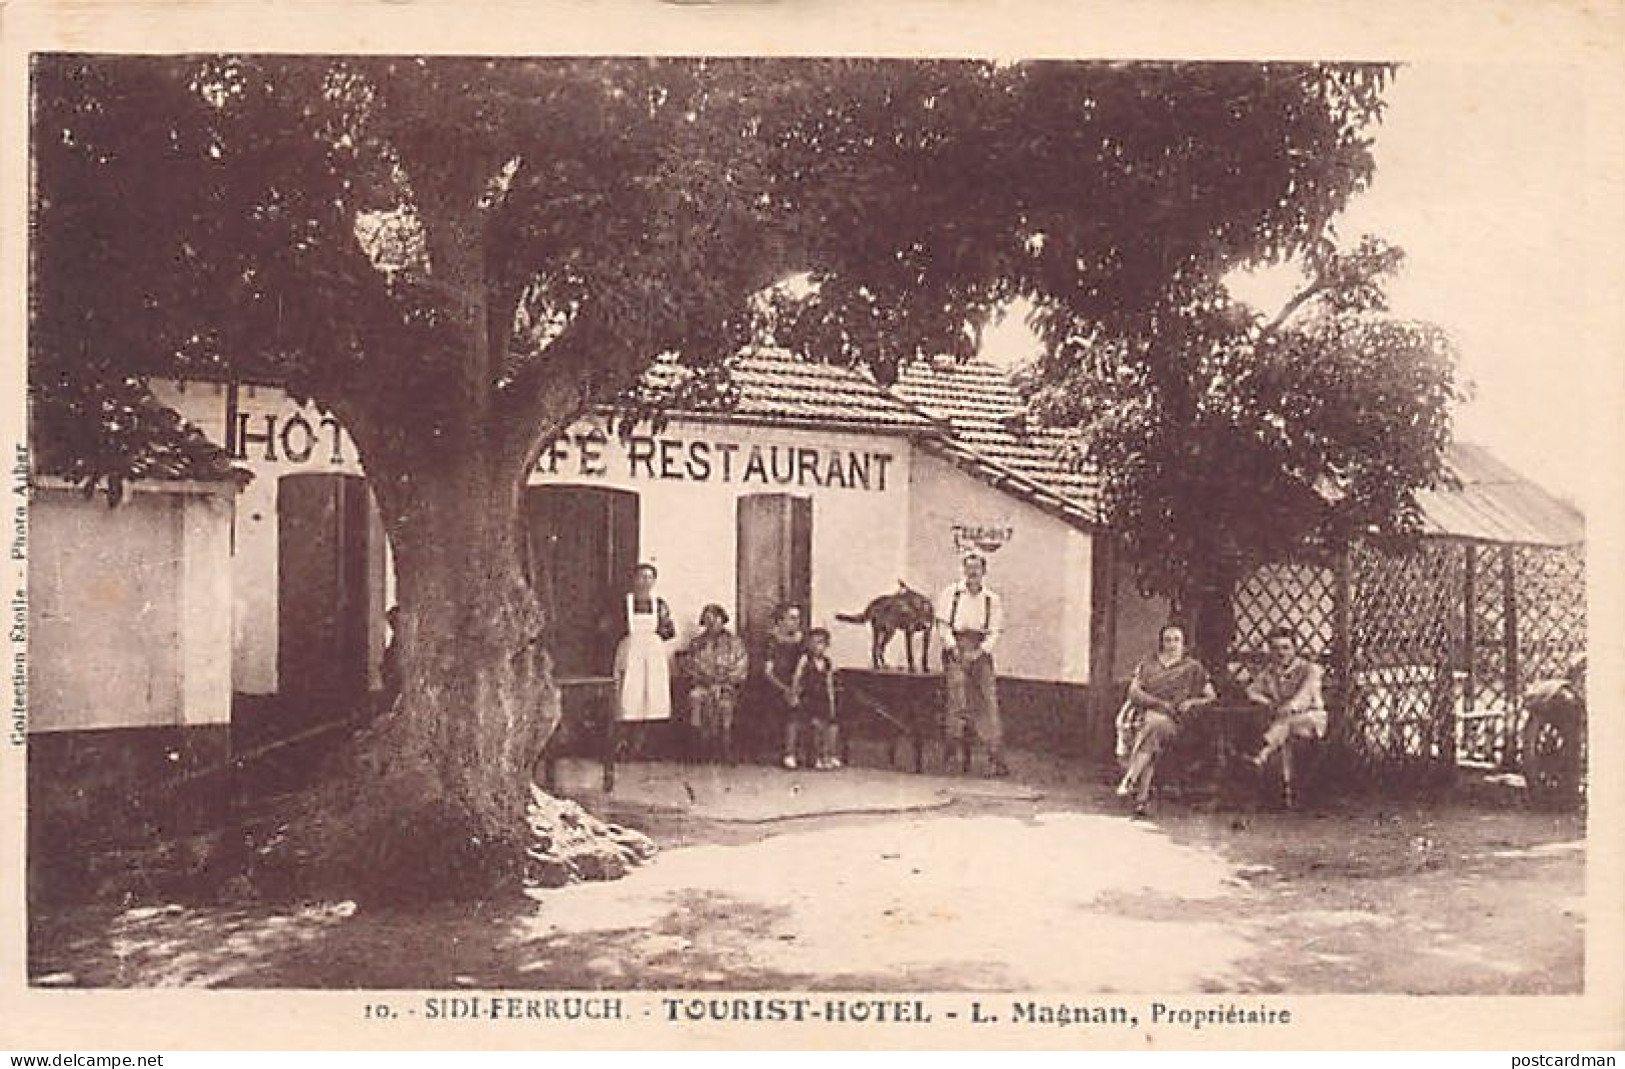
column 438, row 799
column 432, row 802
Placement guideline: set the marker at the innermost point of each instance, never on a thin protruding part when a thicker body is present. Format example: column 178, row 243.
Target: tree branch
column 1298, row 300
column 556, row 386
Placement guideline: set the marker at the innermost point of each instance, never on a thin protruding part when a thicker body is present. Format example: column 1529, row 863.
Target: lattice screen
column 1481, row 738
column 1550, row 610
column 1296, row 595
column 1406, row 615
column 1430, row 685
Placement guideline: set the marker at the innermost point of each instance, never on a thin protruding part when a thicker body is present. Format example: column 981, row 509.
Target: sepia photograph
column 806, row 538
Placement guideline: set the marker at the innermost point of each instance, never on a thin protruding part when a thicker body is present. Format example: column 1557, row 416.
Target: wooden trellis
column 1550, row 622
column 1428, row 652
column 1297, row 594
column 1397, row 715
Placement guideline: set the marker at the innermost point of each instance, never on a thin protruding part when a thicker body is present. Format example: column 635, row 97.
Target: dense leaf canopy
column 482, row 247
column 1233, row 438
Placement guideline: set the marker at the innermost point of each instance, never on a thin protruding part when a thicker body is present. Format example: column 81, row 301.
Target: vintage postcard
column 1001, row 525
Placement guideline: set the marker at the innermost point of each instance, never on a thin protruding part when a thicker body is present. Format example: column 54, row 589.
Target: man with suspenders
column 970, row 618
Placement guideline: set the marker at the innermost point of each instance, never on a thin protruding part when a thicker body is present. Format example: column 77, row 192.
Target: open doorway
column 330, row 594
column 581, row 547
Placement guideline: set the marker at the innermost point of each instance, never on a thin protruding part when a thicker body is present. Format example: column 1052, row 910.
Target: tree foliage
column 339, row 224
column 1228, row 438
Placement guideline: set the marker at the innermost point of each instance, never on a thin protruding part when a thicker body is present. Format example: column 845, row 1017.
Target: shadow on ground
column 1042, row 889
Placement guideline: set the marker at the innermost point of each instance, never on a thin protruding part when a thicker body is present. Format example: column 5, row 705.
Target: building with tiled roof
column 776, row 387
column 813, row 485
column 967, row 412
column 987, row 423
column 972, row 414
column 810, row 483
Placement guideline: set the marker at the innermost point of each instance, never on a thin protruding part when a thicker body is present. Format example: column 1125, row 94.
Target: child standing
column 781, row 653
column 814, row 694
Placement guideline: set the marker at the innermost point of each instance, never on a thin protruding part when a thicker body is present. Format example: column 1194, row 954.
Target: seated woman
column 717, row 664
column 1165, row 688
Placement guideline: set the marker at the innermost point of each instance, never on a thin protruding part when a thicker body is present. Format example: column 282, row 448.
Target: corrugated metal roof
column 1494, row 503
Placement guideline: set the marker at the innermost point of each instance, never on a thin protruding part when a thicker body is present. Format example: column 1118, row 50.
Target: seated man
column 1290, row 686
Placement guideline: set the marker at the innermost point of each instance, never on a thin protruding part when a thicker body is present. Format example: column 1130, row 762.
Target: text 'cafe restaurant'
column 817, row 487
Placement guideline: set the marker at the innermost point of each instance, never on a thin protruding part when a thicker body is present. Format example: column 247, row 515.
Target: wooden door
column 774, row 558
column 329, row 593
column 582, row 544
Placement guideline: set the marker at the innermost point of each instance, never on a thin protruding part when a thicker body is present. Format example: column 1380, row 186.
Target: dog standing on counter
column 907, row 611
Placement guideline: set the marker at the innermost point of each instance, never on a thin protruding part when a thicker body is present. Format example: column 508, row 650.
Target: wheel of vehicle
column 1552, row 759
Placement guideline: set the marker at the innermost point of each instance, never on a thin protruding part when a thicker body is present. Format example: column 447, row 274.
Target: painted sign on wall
column 293, row 437
column 981, row 537
column 592, row 453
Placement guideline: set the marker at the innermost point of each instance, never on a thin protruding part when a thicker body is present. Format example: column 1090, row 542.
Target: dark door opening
column 582, row 544
column 330, row 582
column 775, row 559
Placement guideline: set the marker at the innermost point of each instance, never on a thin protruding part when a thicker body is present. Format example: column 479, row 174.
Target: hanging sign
column 983, row 538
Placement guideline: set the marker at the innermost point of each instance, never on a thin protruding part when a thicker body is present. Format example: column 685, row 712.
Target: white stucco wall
column 129, row 608
column 865, row 538
column 207, row 606
column 1039, row 566
column 688, row 509
column 277, row 437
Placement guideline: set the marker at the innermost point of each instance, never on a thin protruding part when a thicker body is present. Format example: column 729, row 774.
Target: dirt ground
column 1052, row 889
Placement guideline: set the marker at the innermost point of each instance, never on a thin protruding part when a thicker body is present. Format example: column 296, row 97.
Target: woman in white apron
column 642, row 671
column 642, row 667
